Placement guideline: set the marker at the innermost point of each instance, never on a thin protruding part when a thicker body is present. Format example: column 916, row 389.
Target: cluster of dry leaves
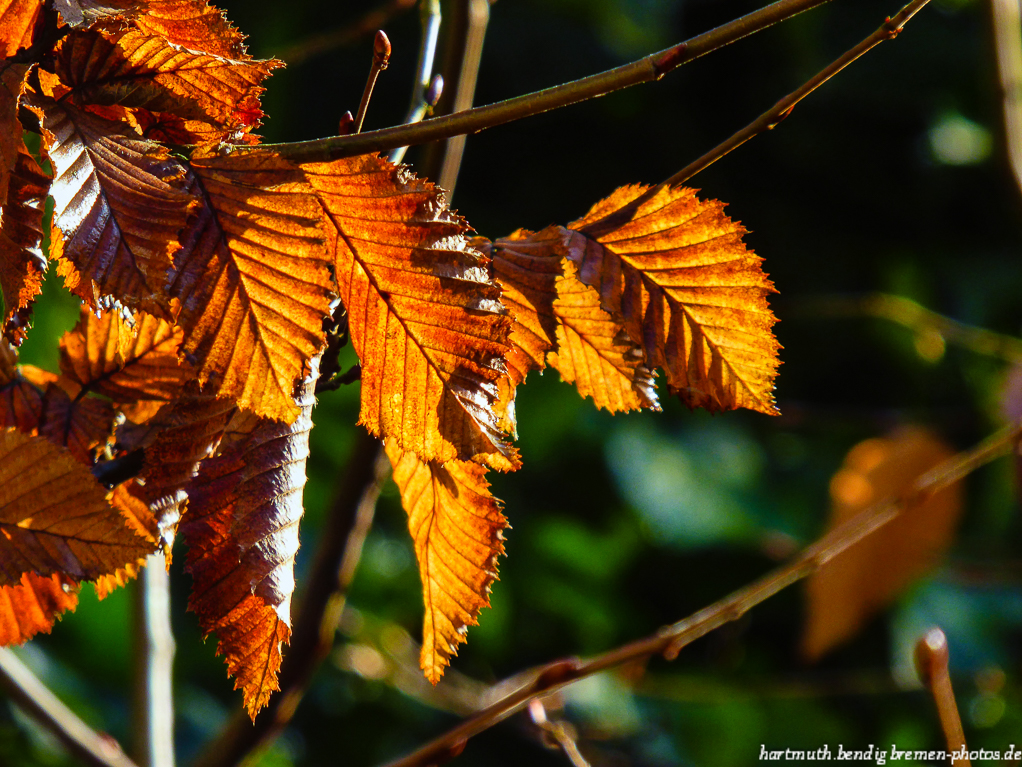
column 209, row 267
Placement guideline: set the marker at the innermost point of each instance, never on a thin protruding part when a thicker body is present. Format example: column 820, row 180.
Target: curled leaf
column 32, row 606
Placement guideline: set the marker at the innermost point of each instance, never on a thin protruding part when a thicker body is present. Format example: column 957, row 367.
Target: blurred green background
column 893, row 178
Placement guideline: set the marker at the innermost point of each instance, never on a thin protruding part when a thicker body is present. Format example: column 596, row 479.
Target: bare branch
column 431, row 19
column 770, row 118
column 306, row 49
column 337, row 556
column 1008, row 48
column 154, row 663
column 34, row 698
column 644, row 70
column 670, row 640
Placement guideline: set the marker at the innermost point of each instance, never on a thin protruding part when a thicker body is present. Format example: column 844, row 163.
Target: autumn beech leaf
column 32, row 606
column 458, row 531
column 133, row 69
column 17, row 25
column 22, row 264
column 253, row 281
column 678, row 276
column 81, row 12
column 193, row 24
column 12, row 84
column 558, row 321
column 241, row 528
column 119, row 204
column 128, row 361
column 424, row 316
column 54, row 517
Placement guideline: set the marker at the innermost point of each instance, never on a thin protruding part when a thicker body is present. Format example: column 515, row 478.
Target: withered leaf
column 849, row 589
column 54, row 517
column 132, row 69
column 22, row 264
column 33, row 605
column 81, row 12
column 17, row 25
column 193, row 24
column 558, row 321
column 679, row 277
column 12, row 84
column 127, row 361
column 253, row 281
column 458, row 530
column 119, row 204
column 241, row 528
column 424, row 316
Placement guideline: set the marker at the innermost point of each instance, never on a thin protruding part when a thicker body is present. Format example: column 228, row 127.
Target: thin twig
column 670, row 640
column 318, row 44
column 381, row 58
column 423, row 71
column 918, row 319
column 36, row 700
column 462, row 58
column 644, row 70
column 932, row 656
column 766, row 121
column 1008, row 48
column 154, row 663
column 337, row 556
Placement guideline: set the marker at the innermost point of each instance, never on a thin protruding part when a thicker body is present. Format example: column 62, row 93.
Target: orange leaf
column 193, row 24
column 424, row 316
column 241, row 527
column 253, row 281
column 558, row 321
column 22, row 264
column 82, row 12
column 54, row 517
column 119, row 203
column 681, row 280
column 17, row 25
column 33, row 605
column 458, row 530
column 854, row 586
column 127, row 362
column 132, row 69
column 12, row 85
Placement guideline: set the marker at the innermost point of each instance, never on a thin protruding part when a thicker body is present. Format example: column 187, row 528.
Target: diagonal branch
column 670, row 640
column 647, row 69
column 316, row 45
column 770, row 118
column 34, row 698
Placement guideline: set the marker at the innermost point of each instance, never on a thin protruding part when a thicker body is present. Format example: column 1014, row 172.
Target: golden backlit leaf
column 130, row 68
column 118, row 202
column 458, row 530
column 253, row 281
column 17, row 24
column 127, row 361
column 81, row 12
column 241, row 527
column 54, row 517
column 33, row 605
column 12, row 84
column 22, row 264
column 193, row 24
column 424, row 316
column 686, row 288
column 558, row 321
column 851, row 588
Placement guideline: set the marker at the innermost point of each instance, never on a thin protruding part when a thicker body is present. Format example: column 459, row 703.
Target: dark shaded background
column 891, row 178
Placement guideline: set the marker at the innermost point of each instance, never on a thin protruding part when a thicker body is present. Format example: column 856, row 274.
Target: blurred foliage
column 891, row 178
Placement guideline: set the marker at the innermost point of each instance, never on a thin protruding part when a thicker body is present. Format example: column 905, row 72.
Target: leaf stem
column 37, row 700
column 670, row 640
column 766, row 121
column 647, row 69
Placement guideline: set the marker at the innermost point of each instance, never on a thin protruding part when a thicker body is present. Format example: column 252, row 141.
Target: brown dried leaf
column 81, row 12
column 424, row 316
column 54, row 517
column 22, row 264
column 129, row 362
column 241, row 527
column 679, row 277
column 253, row 281
column 458, row 530
column 17, row 25
column 558, row 321
column 863, row 580
column 33, row 605
column 132, row 69
column 119, row 204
